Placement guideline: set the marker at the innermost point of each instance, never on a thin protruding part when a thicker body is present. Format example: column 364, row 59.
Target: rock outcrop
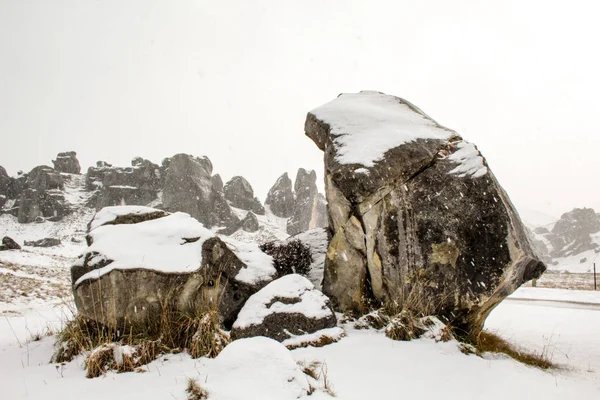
column 45, row 242
column 417, row 217
column 280, row 198
column 309, row 210
column 240, row 194
column 67, row 162
column 9, row 244
column 139, row 184
column 141, row 259
column 250, row 222
column 571, row 234
column 190, row 187
column 287, row 306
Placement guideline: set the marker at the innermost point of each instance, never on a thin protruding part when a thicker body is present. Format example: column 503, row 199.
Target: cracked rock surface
column 418, row 219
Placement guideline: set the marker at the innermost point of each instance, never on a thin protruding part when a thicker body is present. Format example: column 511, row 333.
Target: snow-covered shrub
column 290, row 257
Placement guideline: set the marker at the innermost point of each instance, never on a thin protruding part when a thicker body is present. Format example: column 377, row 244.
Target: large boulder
column 285, row 307
column 141, row 259
column 418, row 219
column 36, row 204
column 44, row 178
column 240, row 194
column 309, row 209
column 67, row 162
column 4, row 182
column 280, row 198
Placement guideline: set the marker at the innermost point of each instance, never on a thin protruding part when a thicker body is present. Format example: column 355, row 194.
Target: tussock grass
column 488, row 342
column 107, row 348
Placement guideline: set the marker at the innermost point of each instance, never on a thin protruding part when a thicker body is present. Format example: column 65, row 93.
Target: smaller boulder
column 287, row 307
column 9, row 244
column 250, row 223
column 67, row 162
column 46, row 242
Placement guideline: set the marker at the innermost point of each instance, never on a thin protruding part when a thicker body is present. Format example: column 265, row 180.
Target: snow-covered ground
column 363, row 365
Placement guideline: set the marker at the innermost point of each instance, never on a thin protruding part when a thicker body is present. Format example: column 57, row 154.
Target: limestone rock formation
column 417, row 217
column 309, row 210
column 280, row 198
column 67, row 162
column 240, row 194
column 140, row 259
column 287, row 306
column 250, row 222
column 45, row 242
column 135, row 185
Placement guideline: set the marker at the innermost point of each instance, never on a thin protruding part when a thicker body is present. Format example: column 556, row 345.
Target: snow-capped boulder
column 67, row 162
column 280, row 198
column 240, row 194
column 287, row 307
column 250, row 222
column 9, row 244
column 309, row 212
column 415, row 213
column 141, row 259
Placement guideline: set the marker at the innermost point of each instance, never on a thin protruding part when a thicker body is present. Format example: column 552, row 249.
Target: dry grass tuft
column 195, row 391
column 405, row 327
column 109, row 349
column 492, row 343
column 317, row 371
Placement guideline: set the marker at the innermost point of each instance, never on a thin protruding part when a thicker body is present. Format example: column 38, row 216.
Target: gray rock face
column 418, row 219
column 135, row 185
column 34, row 205
column 287, row 306
column 132, row 297
column 571, row 234
column 189, row 187
column 46, row 242
column 309, row 211
column 67, row 162
column 280, row 198
column 44, row 178
column 4, row 182
column 9, row 244
column 250, row 222
column 240, row 194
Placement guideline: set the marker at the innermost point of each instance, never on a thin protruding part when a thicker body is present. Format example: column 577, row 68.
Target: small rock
column 250, row 223
column 46, row 242
column 10, row 244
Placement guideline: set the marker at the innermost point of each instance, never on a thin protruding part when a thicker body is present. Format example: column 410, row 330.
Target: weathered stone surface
column 4, row 182
column 419, row 219
column 240, row 194
column 44, row 178
column 9, row 244
column 250, row 223
column 67, row 162
column 135, row 185
column 308, row 209
column 280, row 198
column 131, row 297
column 35, row 204
column 287, row 306
column 46, row 242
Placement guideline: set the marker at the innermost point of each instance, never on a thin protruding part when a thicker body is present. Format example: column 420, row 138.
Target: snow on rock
column 287, row 306
column 110, row 214
column 255, row 368
column 470, row 161
column 317, row 240
column 260, row 265
column 158, row 244
column 382, row 121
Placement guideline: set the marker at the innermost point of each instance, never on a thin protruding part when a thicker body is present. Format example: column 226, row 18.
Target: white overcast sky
column 233, row 80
